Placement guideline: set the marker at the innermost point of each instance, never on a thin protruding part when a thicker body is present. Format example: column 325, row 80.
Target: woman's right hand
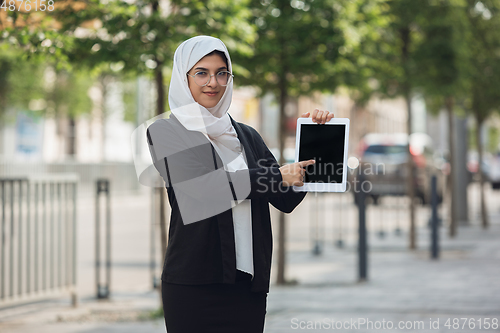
column 293, row 174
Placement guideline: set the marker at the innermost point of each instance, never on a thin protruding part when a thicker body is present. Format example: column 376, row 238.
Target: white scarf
column 213, row 122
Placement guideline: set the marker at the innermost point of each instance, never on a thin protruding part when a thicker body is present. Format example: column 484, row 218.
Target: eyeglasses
column 203, row 78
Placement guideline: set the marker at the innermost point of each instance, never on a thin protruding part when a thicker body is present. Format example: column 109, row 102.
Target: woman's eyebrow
column 206, row 69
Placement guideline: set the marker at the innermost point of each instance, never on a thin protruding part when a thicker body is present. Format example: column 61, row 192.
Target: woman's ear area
column 188, row 78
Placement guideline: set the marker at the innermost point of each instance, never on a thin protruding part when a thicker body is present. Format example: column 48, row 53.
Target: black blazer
column 204, row 252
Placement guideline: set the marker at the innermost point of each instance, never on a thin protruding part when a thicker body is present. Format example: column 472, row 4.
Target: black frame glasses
column 229, row 77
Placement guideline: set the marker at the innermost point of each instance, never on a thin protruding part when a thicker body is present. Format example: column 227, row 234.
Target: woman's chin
column 209, row 105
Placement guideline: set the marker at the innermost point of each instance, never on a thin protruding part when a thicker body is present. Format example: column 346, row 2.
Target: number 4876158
column 27, row 5
column 472, row 323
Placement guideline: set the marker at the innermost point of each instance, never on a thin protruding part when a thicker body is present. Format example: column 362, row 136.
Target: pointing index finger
column 306, row 163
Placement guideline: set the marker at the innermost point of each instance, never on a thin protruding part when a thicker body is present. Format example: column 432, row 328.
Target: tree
column 298, row 51
column 484, row 19
column 23, row 82
column 369, row 58
column 69, row 98
column 20, row 80
column 393, row 56
column 443, row 60
column 63, row 95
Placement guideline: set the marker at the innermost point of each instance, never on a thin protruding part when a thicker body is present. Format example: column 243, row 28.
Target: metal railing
column 38, row 237
column 102, row 288
column 121, row 174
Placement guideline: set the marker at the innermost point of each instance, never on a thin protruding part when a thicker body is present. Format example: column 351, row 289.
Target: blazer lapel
column 248, row 152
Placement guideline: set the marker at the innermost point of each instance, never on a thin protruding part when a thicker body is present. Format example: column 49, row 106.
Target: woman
column 220, row 178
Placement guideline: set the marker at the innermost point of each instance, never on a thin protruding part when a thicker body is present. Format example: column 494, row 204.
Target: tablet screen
column 325, row 144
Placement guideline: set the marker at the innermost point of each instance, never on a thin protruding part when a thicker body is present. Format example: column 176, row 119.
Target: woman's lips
column 211, row 94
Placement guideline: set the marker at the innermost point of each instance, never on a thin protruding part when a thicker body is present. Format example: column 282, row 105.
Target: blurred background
column 83, row 241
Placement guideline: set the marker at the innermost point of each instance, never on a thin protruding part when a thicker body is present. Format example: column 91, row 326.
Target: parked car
column 473, row 165
column 494, row 172
column 383, row 161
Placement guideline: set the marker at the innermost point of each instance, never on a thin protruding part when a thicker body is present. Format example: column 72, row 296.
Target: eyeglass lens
column 203, row 78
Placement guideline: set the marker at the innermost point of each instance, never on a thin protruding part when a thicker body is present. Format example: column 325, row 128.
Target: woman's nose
column 213, row 81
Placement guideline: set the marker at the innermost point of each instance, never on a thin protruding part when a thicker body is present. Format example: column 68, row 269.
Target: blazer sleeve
column 287, row 199
column 192, row 171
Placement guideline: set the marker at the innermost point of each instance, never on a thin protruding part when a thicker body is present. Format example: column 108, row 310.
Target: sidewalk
column 402, row 285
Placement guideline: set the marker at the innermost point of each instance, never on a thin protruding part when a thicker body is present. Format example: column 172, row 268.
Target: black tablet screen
column 325, row 144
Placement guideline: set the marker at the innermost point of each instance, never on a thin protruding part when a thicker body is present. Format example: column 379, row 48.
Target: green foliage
column 306, row 46
column 6, row 63
column 130, row 36
column 392, row 54
column 366, row 25
column 434, row 104
column 120, row 38
column 20, row 80
column 129, row 100
column 484, row 19
column 471, row 138
column 69, row 95
column 443, row 57
column 493, row 139
column 437, row 47
column 23, row 81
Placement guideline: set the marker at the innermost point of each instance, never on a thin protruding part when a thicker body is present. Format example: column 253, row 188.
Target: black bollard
column 434, row 220
column 339, row 242
column 362, row 242
column 316, row 250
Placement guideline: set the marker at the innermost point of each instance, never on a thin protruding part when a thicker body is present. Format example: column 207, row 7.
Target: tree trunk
column 451, row 177
column 4, row 89
column 104, row 80
column 282, row 138
column 484, row 211
column 71, row 137
column 411, row 176
column 160, row 109
column 283, row 97
column 405, row 37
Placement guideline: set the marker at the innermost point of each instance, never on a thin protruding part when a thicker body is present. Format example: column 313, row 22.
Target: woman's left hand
column 319, row 116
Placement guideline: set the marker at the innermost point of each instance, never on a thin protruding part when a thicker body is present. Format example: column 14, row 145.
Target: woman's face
column 209, row 95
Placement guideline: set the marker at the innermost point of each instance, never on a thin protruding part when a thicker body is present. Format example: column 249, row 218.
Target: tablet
column 327, row 144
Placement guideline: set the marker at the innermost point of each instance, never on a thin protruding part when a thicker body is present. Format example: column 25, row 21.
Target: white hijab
column 215, row 121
